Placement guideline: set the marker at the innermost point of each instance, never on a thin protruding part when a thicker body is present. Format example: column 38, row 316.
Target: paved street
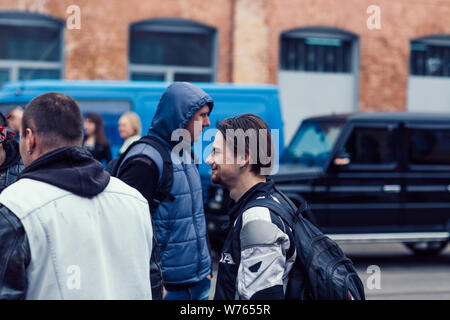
column 403, row 276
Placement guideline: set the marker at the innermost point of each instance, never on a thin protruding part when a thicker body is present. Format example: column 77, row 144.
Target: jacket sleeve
column 262, row 269
column 15, row 256
column 142, row 174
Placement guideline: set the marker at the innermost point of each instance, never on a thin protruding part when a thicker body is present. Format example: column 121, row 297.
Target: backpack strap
column 144, row 149
column 273, row 204
column 290, row 214
column 303, row 209
column 152, row 148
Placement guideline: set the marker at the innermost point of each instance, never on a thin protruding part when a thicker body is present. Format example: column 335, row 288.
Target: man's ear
column 244, row 161
column 30, row 138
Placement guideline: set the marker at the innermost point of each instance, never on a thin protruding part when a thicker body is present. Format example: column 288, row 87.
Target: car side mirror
column 343, row 159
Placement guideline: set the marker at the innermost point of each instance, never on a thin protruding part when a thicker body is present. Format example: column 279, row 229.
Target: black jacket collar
column 262, row 188
column 69, row 168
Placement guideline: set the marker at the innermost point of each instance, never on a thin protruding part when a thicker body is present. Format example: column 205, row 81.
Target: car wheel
column 426, row 248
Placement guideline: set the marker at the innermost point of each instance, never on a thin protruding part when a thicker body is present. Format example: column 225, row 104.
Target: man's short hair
column 254, row 132
column 56, row 118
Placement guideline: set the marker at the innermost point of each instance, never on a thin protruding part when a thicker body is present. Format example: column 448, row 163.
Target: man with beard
column 259, row 251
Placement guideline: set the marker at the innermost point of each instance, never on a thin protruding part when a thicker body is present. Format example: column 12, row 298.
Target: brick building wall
column 384, row 53
column 99, row 50
column 248, row 34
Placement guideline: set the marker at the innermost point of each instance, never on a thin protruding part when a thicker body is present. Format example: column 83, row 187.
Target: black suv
column 366, row 177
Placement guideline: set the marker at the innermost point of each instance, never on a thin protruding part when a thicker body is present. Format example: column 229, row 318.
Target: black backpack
column 321, row 271
column 166, row 177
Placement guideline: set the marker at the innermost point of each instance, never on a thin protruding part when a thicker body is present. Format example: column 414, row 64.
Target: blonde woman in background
column 130, row 129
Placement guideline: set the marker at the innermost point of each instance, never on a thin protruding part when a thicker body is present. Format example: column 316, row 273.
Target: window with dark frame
column 321, row 53
column 30, row 47
column 430, row 57
column 171, row 50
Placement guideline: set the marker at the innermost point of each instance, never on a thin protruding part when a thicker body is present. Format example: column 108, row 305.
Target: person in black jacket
column 95, row 140
column 68, row 230
column 10, row 161
column 259, row 251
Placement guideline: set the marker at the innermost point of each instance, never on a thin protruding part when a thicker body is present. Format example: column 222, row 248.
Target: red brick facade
column 248, row 35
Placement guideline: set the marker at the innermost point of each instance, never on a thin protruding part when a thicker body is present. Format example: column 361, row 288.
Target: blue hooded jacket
column 180, row 224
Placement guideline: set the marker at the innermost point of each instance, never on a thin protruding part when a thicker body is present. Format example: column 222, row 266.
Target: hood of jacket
column 69, row 168
column 177, row 106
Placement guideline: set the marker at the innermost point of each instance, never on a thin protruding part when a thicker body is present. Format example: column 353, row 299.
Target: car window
column 371, row 146
column 428, row 146
column 313, row 143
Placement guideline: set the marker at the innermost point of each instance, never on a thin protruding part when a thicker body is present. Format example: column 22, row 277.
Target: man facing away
column 67, row 229
column 259, row 251
column 179, row 220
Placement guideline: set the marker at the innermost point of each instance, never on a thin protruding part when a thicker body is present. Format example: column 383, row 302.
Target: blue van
column 112, row 98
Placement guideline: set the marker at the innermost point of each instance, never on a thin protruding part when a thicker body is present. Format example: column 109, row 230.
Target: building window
column 172, row 50
column 430, row 56
column 317, row 50
column 30, row 47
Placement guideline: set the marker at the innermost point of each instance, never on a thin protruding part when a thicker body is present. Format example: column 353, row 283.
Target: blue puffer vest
column 180, row 224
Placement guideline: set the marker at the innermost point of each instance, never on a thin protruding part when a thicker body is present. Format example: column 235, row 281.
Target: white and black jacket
column 258, row 252
column 70, row 231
